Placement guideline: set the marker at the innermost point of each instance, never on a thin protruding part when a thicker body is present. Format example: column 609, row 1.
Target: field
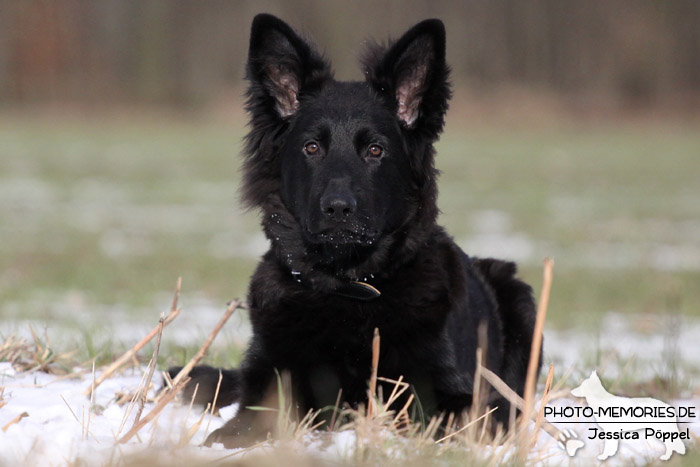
column 113, row 209
column 99, row 216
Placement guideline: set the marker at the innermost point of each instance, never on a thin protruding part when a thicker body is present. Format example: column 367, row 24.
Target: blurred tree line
column 187, row 51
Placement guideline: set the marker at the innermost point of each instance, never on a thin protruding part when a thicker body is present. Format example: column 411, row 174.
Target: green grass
column 116, row 209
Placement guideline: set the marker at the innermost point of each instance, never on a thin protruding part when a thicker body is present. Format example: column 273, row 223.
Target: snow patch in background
column 662, row 245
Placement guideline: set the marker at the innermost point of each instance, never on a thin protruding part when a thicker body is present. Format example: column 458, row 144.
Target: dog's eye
column 312, row 148
column 375, row 150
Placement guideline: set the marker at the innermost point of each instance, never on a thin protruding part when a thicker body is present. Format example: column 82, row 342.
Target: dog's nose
column 338, row 207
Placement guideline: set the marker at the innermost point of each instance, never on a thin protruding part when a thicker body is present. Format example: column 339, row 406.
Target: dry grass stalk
column 192, row 399
column 371, row 400
column 168, row 397
column 122, row 397
column 92, row 398
column 132, row 398
column 481, row 352
column 232, row 306
column 189, row 433
column 531, row 379
column 40, row 356
column 476, row 397
column 382, row 437
column 131, row 353
column 465, row 427
column 373, row 427
column 185, row 440
column 43, row 352
column 336, row 409
column 69, row 408
column 182, row 377
column 12, row 349
column 141, row 394
column 285, row 418
column 400, row 386
column 545, row 398
column 14, row 420
column 143, row 391
column 291, row 430
column 212, row 407
column 517, row 401
column 84, row 432
column 176, row 295
column 401, row 421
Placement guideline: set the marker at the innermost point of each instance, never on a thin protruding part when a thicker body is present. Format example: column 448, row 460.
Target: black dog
column 343, row 173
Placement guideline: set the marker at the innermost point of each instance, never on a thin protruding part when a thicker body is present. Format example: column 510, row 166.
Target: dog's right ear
column 282, row 65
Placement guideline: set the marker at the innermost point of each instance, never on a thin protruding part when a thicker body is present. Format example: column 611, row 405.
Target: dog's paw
column 213, row 438
column 228, row 440
column 231, row 437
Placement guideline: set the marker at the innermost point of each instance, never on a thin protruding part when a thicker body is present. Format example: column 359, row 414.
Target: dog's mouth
column 360, row 237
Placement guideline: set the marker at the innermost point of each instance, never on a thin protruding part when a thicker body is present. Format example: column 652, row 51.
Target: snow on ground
column 59, row 429
column 54, row 430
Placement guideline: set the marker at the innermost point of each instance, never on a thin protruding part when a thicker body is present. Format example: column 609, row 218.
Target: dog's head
column 340, row 166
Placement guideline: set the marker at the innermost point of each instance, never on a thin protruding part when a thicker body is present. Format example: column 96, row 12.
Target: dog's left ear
column 413, row 76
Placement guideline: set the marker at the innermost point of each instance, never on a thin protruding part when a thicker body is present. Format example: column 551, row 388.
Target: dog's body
column 344, row 176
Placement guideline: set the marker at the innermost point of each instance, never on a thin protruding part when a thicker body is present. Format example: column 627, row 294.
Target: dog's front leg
column 208, row 383
column 250, row 425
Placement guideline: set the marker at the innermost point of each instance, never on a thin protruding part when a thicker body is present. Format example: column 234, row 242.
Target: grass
column 113, row 209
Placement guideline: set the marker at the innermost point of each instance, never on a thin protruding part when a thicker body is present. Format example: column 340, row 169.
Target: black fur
column 343, row 173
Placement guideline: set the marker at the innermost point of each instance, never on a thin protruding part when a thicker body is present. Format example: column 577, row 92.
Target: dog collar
column 358, row 290
column 352, row 289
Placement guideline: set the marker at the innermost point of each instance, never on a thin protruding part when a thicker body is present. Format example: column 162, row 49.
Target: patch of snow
column 663, row 338
column 61, row 428
column 658, row 244
column 224, row 245
column 513, row 247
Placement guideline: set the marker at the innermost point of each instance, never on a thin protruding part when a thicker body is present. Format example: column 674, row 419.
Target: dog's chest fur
column 421, row 304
